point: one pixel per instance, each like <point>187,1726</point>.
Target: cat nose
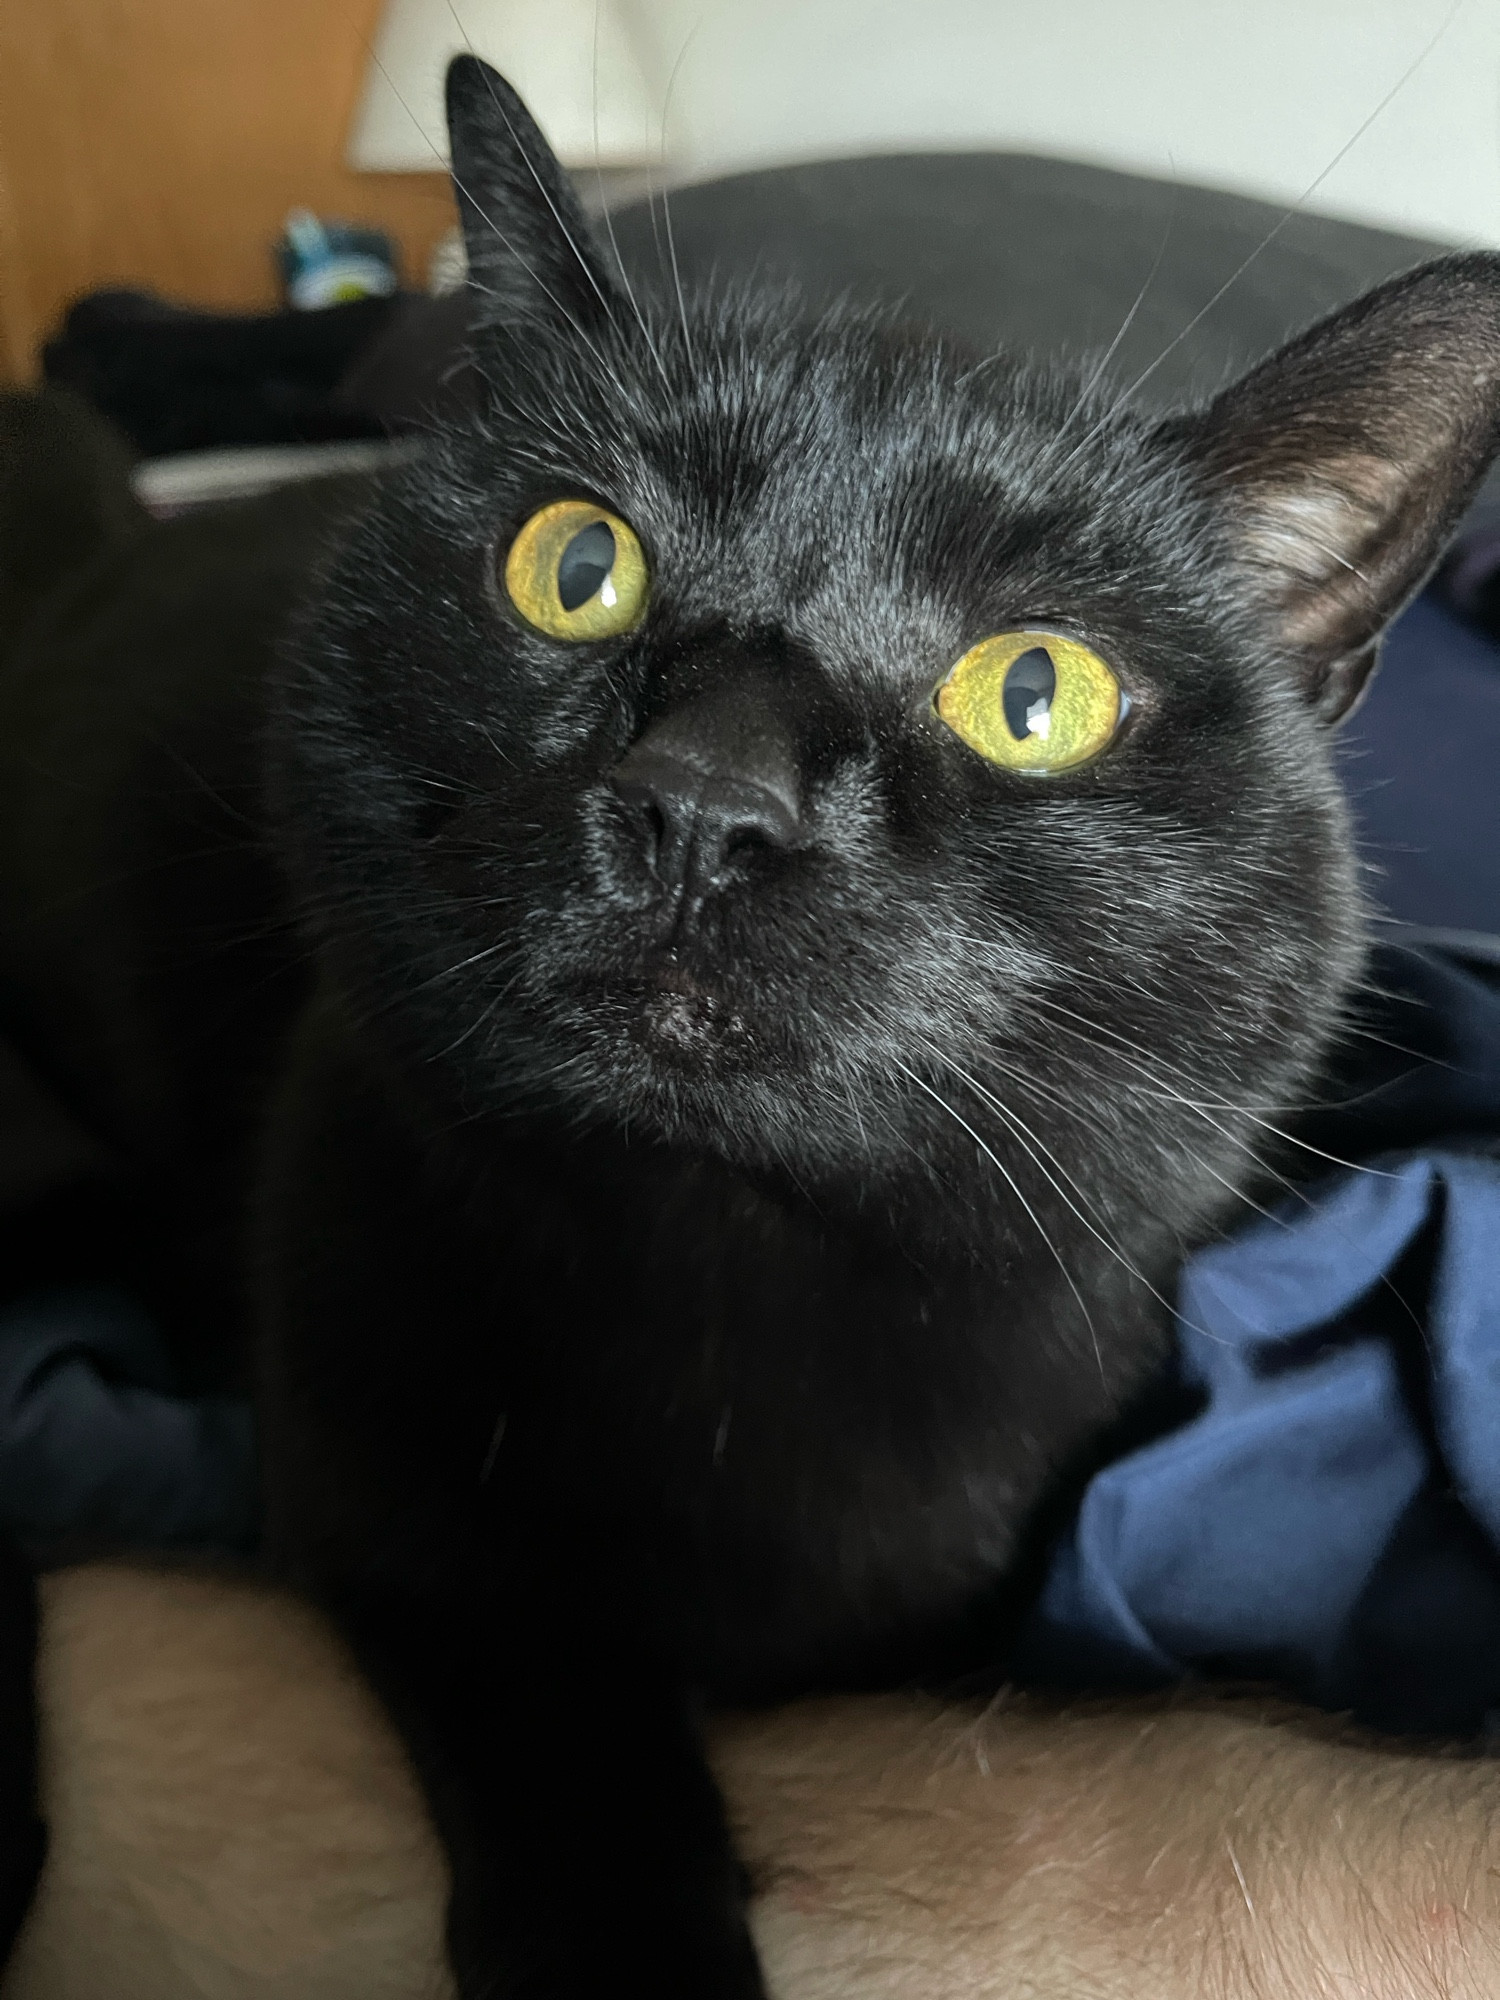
<point>710,781</point>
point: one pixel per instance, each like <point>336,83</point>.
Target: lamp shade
<point>576,63</point>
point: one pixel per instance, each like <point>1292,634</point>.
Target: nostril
<point>649,815</point>
<point>748,815</point>
<point>654,824</point>
<point>738,840</point>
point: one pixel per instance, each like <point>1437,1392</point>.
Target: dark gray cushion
<point>1034,254</point>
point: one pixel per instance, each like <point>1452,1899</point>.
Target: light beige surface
<point>231,1816</point>
<point>233,1820</point>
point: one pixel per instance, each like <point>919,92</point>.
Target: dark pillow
<point>1045,255</point>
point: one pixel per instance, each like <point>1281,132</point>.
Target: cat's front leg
<point>586,1836</point>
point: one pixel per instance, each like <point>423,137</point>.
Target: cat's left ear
<point>532,256</point>
<point>1345,460</point>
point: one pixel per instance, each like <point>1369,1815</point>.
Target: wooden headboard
<point>161,143</point>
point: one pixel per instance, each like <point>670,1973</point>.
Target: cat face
<point>666,810</point>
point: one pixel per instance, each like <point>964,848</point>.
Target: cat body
<point>708,1149</point>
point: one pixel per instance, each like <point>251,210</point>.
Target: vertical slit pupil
<point>584,564</point>
<point>1029,688</point>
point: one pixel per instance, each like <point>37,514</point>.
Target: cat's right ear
<point>532,256</point>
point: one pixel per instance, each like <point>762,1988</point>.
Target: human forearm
<point>1134,1852</point>
<point>227,1802</point>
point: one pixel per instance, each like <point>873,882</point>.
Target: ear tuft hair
<point>1345,460</point>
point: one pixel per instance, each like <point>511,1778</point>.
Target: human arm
<point>1215,1848</point>
<point>230,1810</point>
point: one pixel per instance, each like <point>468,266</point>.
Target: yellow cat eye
<point>1032,701</point>
<point>576,571</point>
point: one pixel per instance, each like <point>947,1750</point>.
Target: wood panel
<point>161,143</point>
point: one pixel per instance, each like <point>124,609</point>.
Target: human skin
<point>233,1819</point>
<point>1214,1848</point>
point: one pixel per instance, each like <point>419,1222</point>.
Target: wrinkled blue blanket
<point>1329,1519</point>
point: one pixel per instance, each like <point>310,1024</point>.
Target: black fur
<point>683,1282</point>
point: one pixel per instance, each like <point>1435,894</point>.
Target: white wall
<point>1254,95</point>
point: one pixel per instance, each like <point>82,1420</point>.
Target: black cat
<point>790,876</point>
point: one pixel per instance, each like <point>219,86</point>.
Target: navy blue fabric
<point>1330,1517</point>
<point>1420,760</point>
<point>98,1451</point>
<point>1349,1354</point>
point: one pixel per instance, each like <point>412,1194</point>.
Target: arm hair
<point>1208,1848</point>
<point>231,1814</point>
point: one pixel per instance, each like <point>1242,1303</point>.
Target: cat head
<point>784,738</point>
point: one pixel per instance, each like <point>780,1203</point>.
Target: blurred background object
<point>1263,101</point>
<point>161,143</point>
<point>1252,99</point>
<point>579,65</point>
<point>330,263</point>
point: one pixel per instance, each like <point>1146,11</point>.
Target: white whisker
<point>609,223</point>
<point>666,196</point>
<point>1015,1188</point>
<point>1127,394</point>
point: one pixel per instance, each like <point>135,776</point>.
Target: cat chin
<point>689,1068</point>
<point>688,1071</point>
<point>688,1027</point>
<point>679,1018</point>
